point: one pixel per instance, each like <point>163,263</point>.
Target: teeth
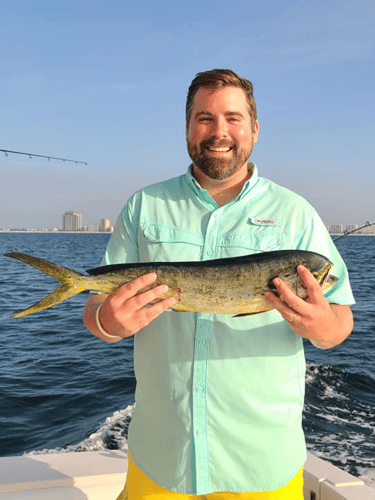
<point>219,149</point>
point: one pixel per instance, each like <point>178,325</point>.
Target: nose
<point>220,127</point>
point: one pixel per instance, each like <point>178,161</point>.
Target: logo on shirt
<point>263,222</point>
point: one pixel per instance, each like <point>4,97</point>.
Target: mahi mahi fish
<point>234,285</point>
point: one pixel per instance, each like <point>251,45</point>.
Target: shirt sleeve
<point>123,244</point>
<point>317,239</point>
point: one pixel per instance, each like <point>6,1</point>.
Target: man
<point>219,399</point>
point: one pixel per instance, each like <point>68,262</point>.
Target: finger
<point>279,304</point>
<point>144,298</point>
<point>144,316</point>
<point>131,288</point>
<point>313,289</point>
<point>284,309</point>
<point>314,292</point>
<point>130,316</point>
<point>292,318</point>
<point>288,297</point>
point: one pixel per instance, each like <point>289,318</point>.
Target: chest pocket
<point>168,244</point>
<point>262,236</point>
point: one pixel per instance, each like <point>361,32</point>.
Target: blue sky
<point>105,82</point>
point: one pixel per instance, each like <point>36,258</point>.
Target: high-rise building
<point>105,224</point>
<point>72,221</point>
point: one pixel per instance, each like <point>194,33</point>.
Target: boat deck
<point>100,475</point>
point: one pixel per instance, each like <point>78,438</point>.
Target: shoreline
<point>51,231</point>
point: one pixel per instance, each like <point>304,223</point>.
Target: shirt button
<point>199,432</point>
<point>210,252</point>
<point>201,342</point>
<point>199,388</point>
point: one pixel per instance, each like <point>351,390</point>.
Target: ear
<point>255,132</point>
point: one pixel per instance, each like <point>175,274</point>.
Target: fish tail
<point>72,283</point>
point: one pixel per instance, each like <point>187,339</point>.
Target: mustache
<point>212,142</point>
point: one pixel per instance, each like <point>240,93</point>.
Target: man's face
<point>220,136</point>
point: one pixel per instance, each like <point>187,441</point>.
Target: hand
<point>313,317</point>
<point>123,312</point>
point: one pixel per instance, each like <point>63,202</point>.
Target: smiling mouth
<point>219,150</point>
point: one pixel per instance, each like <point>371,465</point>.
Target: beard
<point>219,168</point>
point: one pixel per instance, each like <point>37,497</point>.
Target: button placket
<point>199,401</point>
<point>212,231</point>
<point>200,368</point>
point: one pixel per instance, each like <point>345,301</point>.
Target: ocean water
<point>61,389</point>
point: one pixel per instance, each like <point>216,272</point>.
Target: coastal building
<point>336,228</point>
<point>92,228</point>
<point>72,221</point>
<point>368,228</point>
<point>105,225</point>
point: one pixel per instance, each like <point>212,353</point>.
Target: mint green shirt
<point>219,399</point>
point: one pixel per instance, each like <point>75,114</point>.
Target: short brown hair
<point>219,78</point>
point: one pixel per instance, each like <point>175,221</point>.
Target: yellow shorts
<point>139,487</point>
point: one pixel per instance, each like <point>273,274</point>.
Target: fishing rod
<point>346,232</point>
<point>31,155</point>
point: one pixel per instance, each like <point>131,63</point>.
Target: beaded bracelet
<point>111,338</point>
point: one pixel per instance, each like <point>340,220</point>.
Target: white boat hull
<point>101,475</point>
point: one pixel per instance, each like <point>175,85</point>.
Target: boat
<point>101,475</point>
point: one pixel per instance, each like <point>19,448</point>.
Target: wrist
<point>105,335</point>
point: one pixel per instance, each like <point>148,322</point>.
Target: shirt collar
<point>205,196</point>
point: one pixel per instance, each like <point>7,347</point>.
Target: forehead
<point>226,99</point>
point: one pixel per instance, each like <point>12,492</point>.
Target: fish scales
<point>233,285</point>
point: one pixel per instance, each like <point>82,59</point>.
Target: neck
<point>225,190</point>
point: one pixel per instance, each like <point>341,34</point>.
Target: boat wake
<point>339,419</point>
<point>111,435</point>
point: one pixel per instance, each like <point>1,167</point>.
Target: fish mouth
<point>330,281</point>
<point>326,280</point>
<point>324,277</point>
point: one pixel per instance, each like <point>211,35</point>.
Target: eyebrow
<point>227,113</point>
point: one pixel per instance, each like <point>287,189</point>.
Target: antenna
<point>31,155</point>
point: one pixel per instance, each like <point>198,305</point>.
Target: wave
<point>111,435</point>
<point>339,419</point>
